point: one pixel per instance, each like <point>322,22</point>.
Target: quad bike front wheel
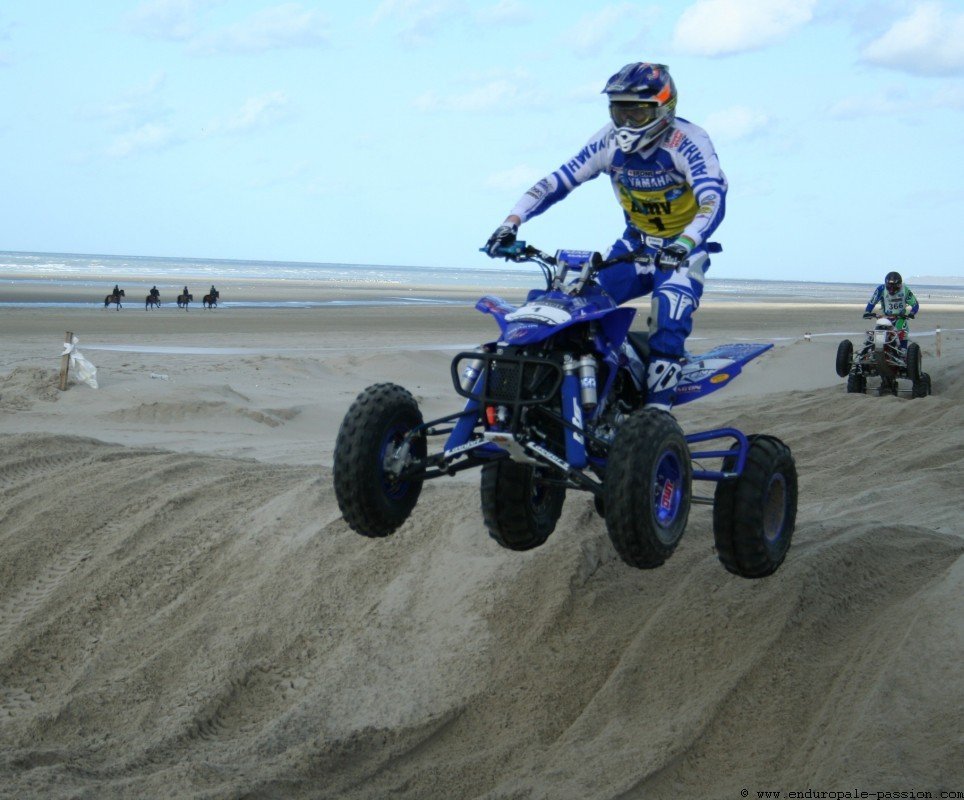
<point>914,361</point>
<point>754,515</point>
<point>922,386</point>
<point>888,385</point>
<point>845,356</point>
<point>370,448</point>
<point>647,489</point>
<point>856,384</point>
<point>519,509</point>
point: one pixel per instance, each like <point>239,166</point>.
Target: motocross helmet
<point>642,104</point>
<point>893,282</point>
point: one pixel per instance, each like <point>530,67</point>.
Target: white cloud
<point>496,94</point>
<point>174,20</point>
<point>898,102</point>
<point>929,41</point>
<point>277,27</point>
<point>737,122</point>
<point>257,112</point>
<point>517,179</point>
<point>723,27</point>
<point>417,21</point>
<point>148,137</point>
<point>140,103</point>
<point>504,12</point>
<point>594,30</point>
<point>868,105</point>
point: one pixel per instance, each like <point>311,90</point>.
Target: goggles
<point>630,114</point>
<point>893,287</point>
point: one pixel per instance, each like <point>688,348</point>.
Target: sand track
<point>230,635</point>
<point>179,619</point>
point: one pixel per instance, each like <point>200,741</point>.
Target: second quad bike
<point>885,353</point>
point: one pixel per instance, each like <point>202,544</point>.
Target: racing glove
<point>910,315</point>
<point>671,256</point>
<point>868,315</point>
<point>503,236</point>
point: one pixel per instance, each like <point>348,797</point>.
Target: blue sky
<point>402,131</point>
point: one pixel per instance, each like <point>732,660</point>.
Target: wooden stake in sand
<point>937,341</point>
<point>65,361</point>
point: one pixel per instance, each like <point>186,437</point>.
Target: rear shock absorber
<point>587,382</point>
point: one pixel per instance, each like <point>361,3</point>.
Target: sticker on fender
<point>539,312</point>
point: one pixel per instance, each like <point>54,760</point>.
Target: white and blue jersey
<point>673,191</point>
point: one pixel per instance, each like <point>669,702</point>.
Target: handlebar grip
<point>513,250</point>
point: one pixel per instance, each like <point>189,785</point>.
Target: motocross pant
<point>675,296</point>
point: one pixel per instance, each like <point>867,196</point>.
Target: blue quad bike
<point>556,404</point>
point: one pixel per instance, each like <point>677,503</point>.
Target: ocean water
<point>89,271</point>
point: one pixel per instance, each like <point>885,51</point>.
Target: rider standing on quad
<point>895,299</point>
<point>667,178</point>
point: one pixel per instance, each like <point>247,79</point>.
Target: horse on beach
<point>183,300</point>
<point>152,301</point>
<point>211,300</point>
<point>114,298</point>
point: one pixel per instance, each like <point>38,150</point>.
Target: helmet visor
<point>629,114</point>
<point>893,286</point>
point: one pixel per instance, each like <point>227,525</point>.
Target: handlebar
<point>901,315</point>
<point>556,267</point>
<point>520,251</point>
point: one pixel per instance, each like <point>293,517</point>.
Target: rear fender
<point>706,373</point>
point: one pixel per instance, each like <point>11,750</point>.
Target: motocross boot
<point>661,379</point>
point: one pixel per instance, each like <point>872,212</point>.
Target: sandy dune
<point>183,613</point>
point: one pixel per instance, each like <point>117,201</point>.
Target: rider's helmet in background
<point>642,104</point>
<point>893,282</point>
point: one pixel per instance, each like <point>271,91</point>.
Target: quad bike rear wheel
<point>372,499</point>
<point>519,509</point>
<point>845,357</point>
<point>754,515</point>
<point>922,386</point>
<point>647,488</point>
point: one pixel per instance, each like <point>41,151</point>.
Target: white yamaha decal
<point>537,312</point>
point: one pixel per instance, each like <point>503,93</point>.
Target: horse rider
<point>155,293</point>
